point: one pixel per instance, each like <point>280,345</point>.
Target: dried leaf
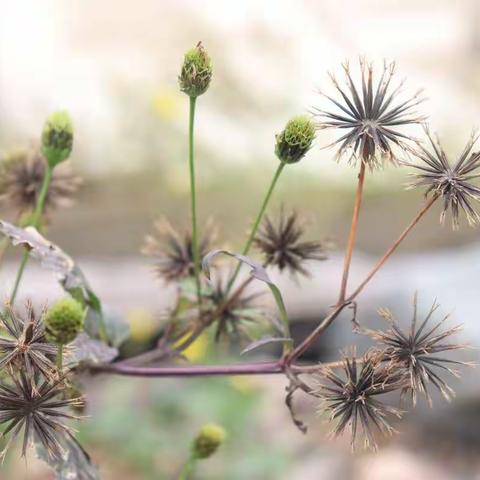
<point>116,325</point>
<point>260,273</point>
<point>75,464</point>
<point>89,351</point>
<point>53,258</point>
<point>264,341</point>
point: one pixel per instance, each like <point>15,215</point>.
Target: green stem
<point>258,220</point>
<point>187,469</point>
<point>60,357</point>
<point>37,214</point>
<point>193,196</point>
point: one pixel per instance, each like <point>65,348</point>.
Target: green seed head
<point>57,138</point>
<point>208,440</point>
<point>64,321</point>
<point>295,140</point>
<point>196,72</point>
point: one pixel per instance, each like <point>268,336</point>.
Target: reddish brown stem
<point>162,354</point>
<point>353,232</point>
<point>258,368</point>
<point>392,249</point>
<point>327,321</point>
<point>192,371</point>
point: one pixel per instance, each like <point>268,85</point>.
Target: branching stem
<point>327,321</point>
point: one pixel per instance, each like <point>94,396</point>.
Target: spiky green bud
<point>196,72</point>
<point>208,440</point>
<point>295,140</point>
<point>57,138</point>
<point>64,321</point>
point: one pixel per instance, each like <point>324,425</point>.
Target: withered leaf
<point>260,273</point>
<point>53,258</point>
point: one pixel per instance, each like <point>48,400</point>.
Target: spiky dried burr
<point>453,182</point>
<point>25,346</point>
<point>36,408</point>
<point>22,174</point>
<point>283,246</point>
<point>416,351</point>
<point>351,398</point>
<point>172,252</point>
<point>368,115</point>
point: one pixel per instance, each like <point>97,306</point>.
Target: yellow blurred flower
<point>167,103</point>
<point>142,325</point>
<point>244,384</point>
<point>197,350</point>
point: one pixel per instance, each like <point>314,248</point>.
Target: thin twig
<point>353,232</point>
<point>327,321</point>
<point>164,353</point>
<point>392,249</point>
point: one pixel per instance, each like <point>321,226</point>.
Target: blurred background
<point>114,66</point>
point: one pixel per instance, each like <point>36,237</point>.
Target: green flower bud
<point>64,321</point>
<point>57,138</point>
<point>295,140</point>
<point>196,72</point>
<point>208,440</point>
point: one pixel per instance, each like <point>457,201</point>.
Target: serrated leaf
<point>264,341</point>
<point>88,351</point>
<point>260,273</point>
<point>74,465</point>
<point>53,258</point>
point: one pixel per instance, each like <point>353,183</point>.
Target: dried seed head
<point>295,140</point>
<point>368,115</point>
<point>351,398</point>
<point>24,346</point>
<point>196,72</point>
<point>454,183</point>
<point>38,408</point>
<point>172,252</point>
<point>417,349</point>
<point>64,321</point>
<point>57,138</point>
<point>283,246</point>
<point>238,312</point>
<point>22,173</point>
<point>208,440</point>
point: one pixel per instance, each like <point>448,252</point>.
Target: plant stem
<point>60,357</point>
<point>353,232</point>
<point>4,243</point>
<point>187,469</point>
<point>37,214</point>
<point>317,332</point>
<point>193,195</point>
<point>161,354</point>
<point>258,220</point>
<point>258,368</point>
<point>261,368</point>
<point>392,249</point>
<point>327,321</point>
